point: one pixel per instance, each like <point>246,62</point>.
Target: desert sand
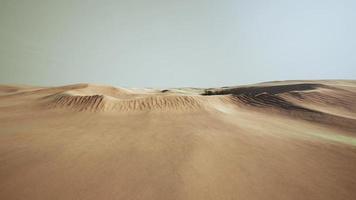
<point>274,140</point>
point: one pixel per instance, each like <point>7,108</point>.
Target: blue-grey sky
<point>174,43</point>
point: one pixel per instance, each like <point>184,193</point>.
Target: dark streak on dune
<point>266,96</point>
<point>271,97</point>
<point>266,99</point>
<point>255,90</point>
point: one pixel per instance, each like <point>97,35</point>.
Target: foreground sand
<point>276,140</point>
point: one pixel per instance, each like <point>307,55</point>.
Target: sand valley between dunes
<point>275,140</point>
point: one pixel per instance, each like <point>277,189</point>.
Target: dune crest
<point>105,103</point>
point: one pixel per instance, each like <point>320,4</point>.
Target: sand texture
<point>274,140</point>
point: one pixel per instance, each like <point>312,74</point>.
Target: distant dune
<point>273,140</point>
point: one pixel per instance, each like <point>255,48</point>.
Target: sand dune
<point>273,140</point>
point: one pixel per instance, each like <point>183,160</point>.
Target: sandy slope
<point>276,140</point>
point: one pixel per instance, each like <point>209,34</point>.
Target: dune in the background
<point>273,140</point>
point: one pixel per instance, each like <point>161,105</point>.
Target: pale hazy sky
<point>172,43</point>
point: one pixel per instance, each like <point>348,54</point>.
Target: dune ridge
<point>326,102</point>
<point>100,103</point>
<point>289,97</point>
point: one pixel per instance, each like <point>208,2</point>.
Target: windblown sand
<point>276,140</point>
